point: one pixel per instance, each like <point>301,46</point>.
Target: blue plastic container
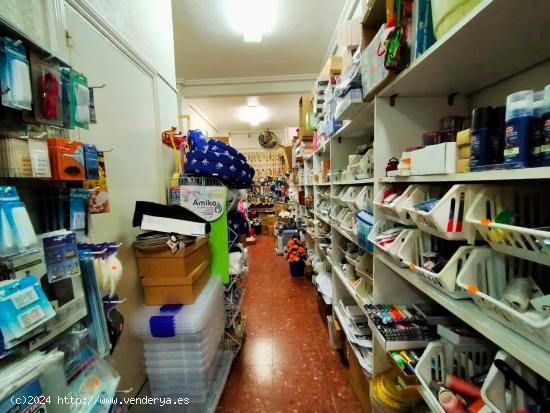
<point>365,222</point>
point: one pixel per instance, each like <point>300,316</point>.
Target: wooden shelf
<point>528,353</point>
<point>496,40</point>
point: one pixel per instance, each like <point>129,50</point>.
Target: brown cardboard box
<point>163,263</point>
<point>333,66</point>
<point>325,168</point>
<point>358,380</point>
<point>304,107</point>
<point>176,289</point>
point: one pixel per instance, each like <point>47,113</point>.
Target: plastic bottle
<point>479,137</point>
<point>518,139</point>
<point>496,135</point>
<point>545,144</point>
<point>537,127</point>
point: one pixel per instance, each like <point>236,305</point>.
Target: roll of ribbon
<point>450,402</point>
<point>518,293</point>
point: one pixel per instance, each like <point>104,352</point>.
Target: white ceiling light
<point>254,114</point>
<point>252,18</point>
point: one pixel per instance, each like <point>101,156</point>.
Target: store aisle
<point>286,364</point>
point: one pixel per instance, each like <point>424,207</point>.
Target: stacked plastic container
<point>183,344</point>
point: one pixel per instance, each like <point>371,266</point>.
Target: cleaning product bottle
<point>479,137</point>
<point>519,116</point>
<point>545,144</point>
<point>537,127</point>
<point>496,135</point>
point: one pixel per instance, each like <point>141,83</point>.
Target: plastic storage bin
<point>416,244</point>
<point>363,229</point>
<point>486,277</point>
<point>447,13</point>
<point>335,211</point>
<point>502,395</point>
<point>362,167</point>
<point>364,199</point>
<point>447,218</point>
<point>395,210</point>
<point>339,198</point>
<point>349,197</point>
<point>348,223</point>
<point>441,358</point>
<point>520,239</point>
<point>392,249</point>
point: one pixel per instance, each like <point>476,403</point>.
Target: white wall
<point>198,120</point>
<point>147,25</point>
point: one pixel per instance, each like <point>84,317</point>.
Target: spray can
<point>545,144</point>
<point>537,128</point>
<point>479,137</point>
<point>518,137</point>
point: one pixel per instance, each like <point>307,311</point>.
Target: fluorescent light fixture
<point>252,18</point>
<point>254,114</point>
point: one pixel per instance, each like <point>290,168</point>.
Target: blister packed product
<point>15,75</point>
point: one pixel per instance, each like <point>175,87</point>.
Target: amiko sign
<point>208,202</point>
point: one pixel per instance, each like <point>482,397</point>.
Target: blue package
<point>518,137</point>
<point>91,161</point>
<point>15,75</point>
<point>365,222</point>
<point>23,307</point>
<point>78,205</point>
<point>29,398</point>
<point>61,255</point>
<point>424,27</point>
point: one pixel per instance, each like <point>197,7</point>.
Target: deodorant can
<point>479,137</point>
<point>545,144</point>
<point>518,139</point>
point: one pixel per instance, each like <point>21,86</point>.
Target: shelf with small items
<point>523,349</point>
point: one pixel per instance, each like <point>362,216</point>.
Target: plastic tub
<point>364,199</point>
<point>447,13</point>
<point>502,395</point>
<point>362,231</point>
<point>350,196</point>
<point>363,167</point>
<point>392,249</point>
<point>520,239</point>
<point>441,358</point>
<point>447,218</point>
<point>488,270</point>
<point>395,210</point>
<point>416,244</point>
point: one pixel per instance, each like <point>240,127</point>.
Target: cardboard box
<point>325,168</point>
<point>336,334</point>
<point>358,379</point>
<point>176,289</point>
<point>333,66</point>
<point>324,308</point>
<point>434,159</point>
<point>304,107</point>
<point>157,263</point>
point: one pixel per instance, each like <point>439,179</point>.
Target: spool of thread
<point>450,402</point>
<point>518,293</point>
<point>462,386</point>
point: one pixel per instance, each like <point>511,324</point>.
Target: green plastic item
<point>79,100</point>
<point>506,217</point>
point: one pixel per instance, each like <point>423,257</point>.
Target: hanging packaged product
<point>15,160</point>
<point>99,199</point>
<point>23,307</point>
<point>79,200</point>
<point>14,74</point>
<point>40,158</point>
<point>545,144</point>
<point>16,230</point>
<point>65,78</point>
<point>80,100</point>
<point>91,161</point>
<point>518,140</point>
<point>61,254</point>
<point>67,159</point>
<point>46,82</point>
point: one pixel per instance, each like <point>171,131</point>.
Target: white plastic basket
<point>485,277</point>
<point>417,243</point>
<point>364,198</point>
<point>348,223</point>
<point>353,260</point>
<point>353,161</point>
<point>529,204</point>
<point>349,197</point>
<point>343,213</point>
<point>394,248</point>
<point>441,358</point>
<point>502,395</point>
<point>394,211</point>
<point>447,219</point>
<point>363,167</point>
<point>340,197</point>
<point>335,211</point>
<point>365,267</point>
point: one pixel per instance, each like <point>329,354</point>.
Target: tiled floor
<point>286,364</point>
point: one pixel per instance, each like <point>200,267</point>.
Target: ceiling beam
<point>245,86</point>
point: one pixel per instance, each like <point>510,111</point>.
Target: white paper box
<point>434,159</point>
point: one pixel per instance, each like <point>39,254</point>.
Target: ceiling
<point>225,112</point>
<point>207,47</point>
